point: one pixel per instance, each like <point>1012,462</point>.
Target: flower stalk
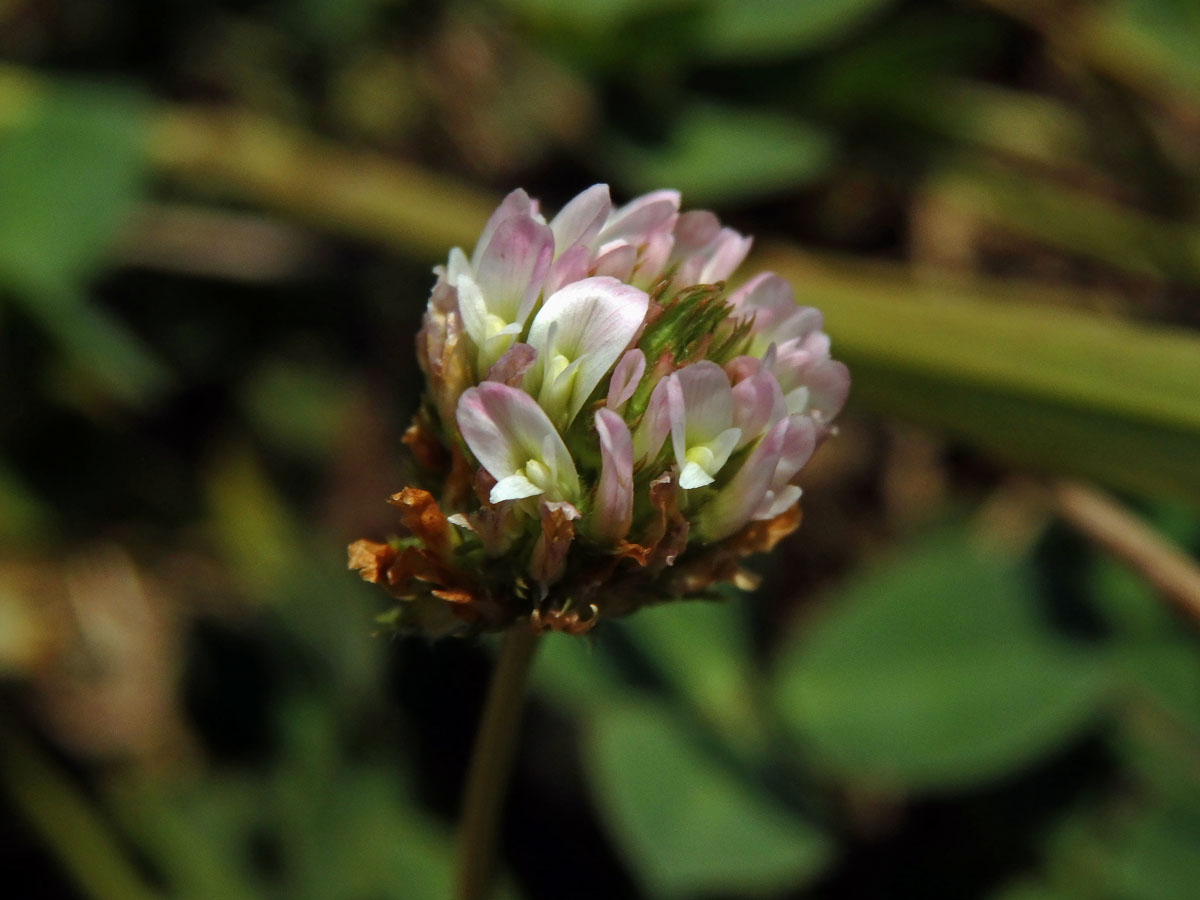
<point>603,427</point>
<point>491,764</point>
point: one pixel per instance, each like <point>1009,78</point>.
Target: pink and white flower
<point>518,445</point>
<point>597,438</point>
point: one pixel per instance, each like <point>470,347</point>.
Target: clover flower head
<point>603,426</point>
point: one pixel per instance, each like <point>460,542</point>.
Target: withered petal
<point>371,559</point>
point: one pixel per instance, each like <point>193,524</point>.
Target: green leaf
<point>934,672</point>
<point>702,649</point>
<point>70,174</point>
<point>757,29</point>
<point>1036,384</point>
<point>719,154</point>
<point>1158,859</point>
<point>1150,649</point>
<point>689,824</point>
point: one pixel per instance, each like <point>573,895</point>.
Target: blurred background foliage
<point>972,673</point>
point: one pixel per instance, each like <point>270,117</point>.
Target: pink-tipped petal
<point>776,503</point>
<point>517,203</point>
<point>511,367</point>
<point>513,266</point>
<point>799,442</point>
<point>614,496</point>
<point>625,379</point>
<point>677,413</point>
<point>708,400</point>
<point>570,267</point>
<point>641,217</point>
<point>727,253</point>
<point>653,260</point>
<point>742,367</point>
<point>757,404</point>
<point>737,501</point>
<point>616,262</point>
<point>694,230</point>
<point>581,219</point>
<point>505,429</point>
<point>655,424</point>
<point>829,386</point>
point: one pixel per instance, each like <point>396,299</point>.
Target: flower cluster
<point>604,426</point>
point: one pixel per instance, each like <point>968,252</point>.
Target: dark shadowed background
<point>972,673</point>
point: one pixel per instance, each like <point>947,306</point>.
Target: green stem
<point>491,761</point>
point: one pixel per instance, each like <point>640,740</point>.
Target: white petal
<point>473,309</point>
<point>693,476</point>
<point>723,446</point>
<point>593,322</point>
<point>457,265</point>
<point>514,487</point>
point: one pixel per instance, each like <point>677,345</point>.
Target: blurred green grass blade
<point>934,672</point>
<point>761,29</point>
<point>84,844</point>
<point>24,517</point>
<point>690,825</point>
<point>1149,40</point>
<point>251,524</point>
<point>196,839</point>
<point>1053,389</point>
<point>1016,123</point>
<point>256,160</point>
<point>301,408</point>
<point>1074,220</point>
<point>96,342</point>
<point>720,154</point>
